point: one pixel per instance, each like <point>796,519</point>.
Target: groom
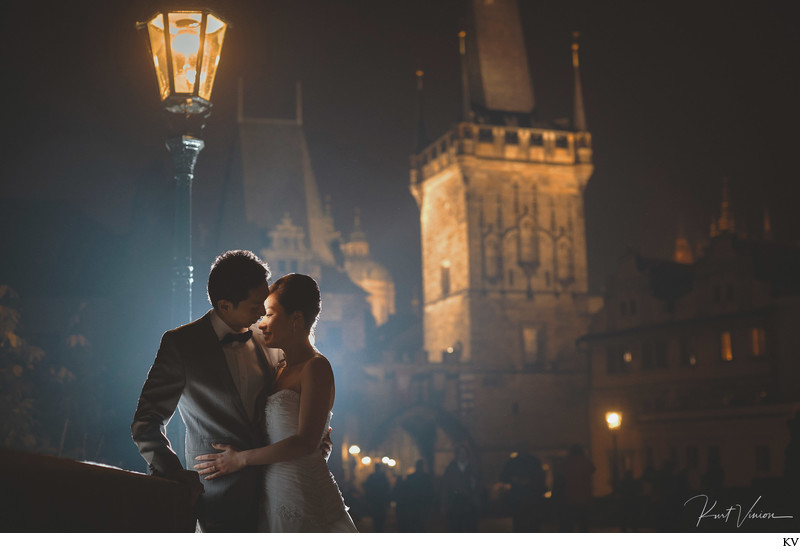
<point>217,374</point>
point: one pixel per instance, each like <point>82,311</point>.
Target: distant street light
<point>614,422</point>
<point>185,47</point>
<point>354,450</point>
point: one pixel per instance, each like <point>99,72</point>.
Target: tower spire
<point>767,236</point>
<point>358,233</point>
<point>466,110</point>
<point>683,253</point>
<point>578,113</point>
<point>726,221</point>
<point>499,76</point>
<point>421,139</point>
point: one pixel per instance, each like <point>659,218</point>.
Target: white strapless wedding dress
<point>299,495</point>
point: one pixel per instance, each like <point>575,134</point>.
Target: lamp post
<point>614,421</point>
<point>185,47</point>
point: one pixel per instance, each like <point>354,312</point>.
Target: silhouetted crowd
<point>460,501</point>
<point>456,501</point>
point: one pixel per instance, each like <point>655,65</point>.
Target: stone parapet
<point>532,145</point>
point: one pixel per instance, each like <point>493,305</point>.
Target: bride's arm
<point>316,387</point>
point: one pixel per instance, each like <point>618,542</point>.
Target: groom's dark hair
<point>232,276</point>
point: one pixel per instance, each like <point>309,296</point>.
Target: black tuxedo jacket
<point>190,372</point>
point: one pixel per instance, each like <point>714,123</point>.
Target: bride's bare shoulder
<point>318,363</point>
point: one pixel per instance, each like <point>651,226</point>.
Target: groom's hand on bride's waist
<point>229,460</point>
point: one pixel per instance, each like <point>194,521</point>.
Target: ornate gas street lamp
<point>614,422</point>
<point>185,46</point>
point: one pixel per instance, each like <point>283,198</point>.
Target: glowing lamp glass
<point>366,460</point>
<point>354,450</point>
<point>186,48</point>
<point>614,419</point>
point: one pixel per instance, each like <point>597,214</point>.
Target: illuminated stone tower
<point>502,218</point>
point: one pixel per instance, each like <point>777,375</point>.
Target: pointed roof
<point>683,252</point>
<point>277,179</point>
<point>578,113</point>
<point>726,222</point>
<point>499,77</point>
<point>767,229</point>
<point>357,235</point>
<point>421,140</point>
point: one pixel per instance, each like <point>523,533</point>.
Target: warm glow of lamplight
<point>614,419</point>
<point>187,43</point>
<point>354,449</point>
<point>189,46</point>
<point>366,460</point>
<point>385,460</point>
<point>391,463</point>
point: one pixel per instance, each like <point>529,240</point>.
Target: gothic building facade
<point>698,358</point>
<point>504,273</point>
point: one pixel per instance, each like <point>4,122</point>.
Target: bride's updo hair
<point>298,292</point>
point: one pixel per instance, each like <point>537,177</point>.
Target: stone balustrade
<point>50,494</point>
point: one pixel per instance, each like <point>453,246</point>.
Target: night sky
<point>678,96</point>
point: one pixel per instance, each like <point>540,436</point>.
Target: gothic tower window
<point>445,278</point>
<point>725,347</point>
<point>687,355</point>
<point>529,243</point>
<point>532,345</point>
<point>494,267</point>
<point>758,342</point>
<point>564,265</point>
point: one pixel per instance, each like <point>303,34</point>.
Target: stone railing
<point>50,494</point>
<point>502,143</point>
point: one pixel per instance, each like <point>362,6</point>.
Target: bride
<point>299,493</point>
